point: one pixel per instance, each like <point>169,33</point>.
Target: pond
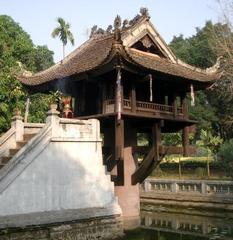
<point>159,225</point>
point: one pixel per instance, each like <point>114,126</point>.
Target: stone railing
<point>203,187</point>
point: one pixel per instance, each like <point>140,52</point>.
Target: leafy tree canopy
<point>17,51</point>
<point>200,50</point>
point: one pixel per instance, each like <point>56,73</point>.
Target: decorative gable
<point>144,37</point>
<point>146,44</point>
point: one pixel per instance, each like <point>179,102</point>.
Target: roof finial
<point>144,12</point>
<point>117,22</point>
<point>117,28</point>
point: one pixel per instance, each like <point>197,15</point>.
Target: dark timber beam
<point>151,160</point>
<point>184,105</point>
<point>119,150</point>
<point>156,139</point>
<point>185,138</point>
<point>133,98</point>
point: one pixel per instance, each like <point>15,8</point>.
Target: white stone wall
<point>63,173</point>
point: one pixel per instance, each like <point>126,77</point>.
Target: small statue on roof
<point>100,31</point>
<point>117,22</point>
<point>109,29</point>
<point>135,19</point>
<point>125,23</point>
<point>93,30</point>
<point>144,12</point>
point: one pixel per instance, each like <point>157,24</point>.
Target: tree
<point>64,33</point>
<point>199,51</point>
<point>18,52</point>
<point>225,157</point>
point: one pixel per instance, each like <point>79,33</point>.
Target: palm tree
<point>63,32</point>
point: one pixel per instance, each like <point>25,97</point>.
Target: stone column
<point>128,194</point>
<point>17,123</point>
<point>53,120</point>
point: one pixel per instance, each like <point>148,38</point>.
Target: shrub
<point>225,157</point>
<point>200,172</point>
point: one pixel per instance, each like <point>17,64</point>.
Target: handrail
<point>6,136</point>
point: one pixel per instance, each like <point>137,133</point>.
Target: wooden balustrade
<point>145,107</point>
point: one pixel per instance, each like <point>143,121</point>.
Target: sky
<point>170,17</point>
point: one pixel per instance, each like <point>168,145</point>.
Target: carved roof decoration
<point>136,41</point>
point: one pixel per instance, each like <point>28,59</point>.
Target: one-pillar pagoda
<point>129,79</point>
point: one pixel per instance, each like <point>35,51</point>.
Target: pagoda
<point>129,79</point>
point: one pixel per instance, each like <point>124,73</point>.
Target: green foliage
<point>63,32</point>
<point>143,139</point>
<point>17,52</point>
<point>38,113</point>
<point>225,157</point>
<point>200,172</point>
<point>172,139</point>
<point>54,97</point>
<point>196,50</point>
<point>209,141</point>
<point>201,50</point>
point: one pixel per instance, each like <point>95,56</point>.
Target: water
<point>178,226</point>
<point>162,224</point>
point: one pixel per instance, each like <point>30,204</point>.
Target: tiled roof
<point>88,56</point>
<point>154,62</point>
<point>93,53</point>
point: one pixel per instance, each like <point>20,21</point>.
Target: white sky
<point>170,17</point>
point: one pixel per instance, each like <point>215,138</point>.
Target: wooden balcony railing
<point>147,107</point>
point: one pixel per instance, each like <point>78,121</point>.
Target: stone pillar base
<point>128,195</point>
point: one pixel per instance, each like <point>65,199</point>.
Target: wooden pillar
<point>185,138</point>
<point>184,105</point>
<point>174,105</point>
<point>119,138</point>
<point>104,97</point>
<point>119,150</point>
<point>119,96</point>
<point>83,98</point>
<point>133,98</point>
<point>156,138</point>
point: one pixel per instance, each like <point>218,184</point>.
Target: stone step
<point>20,144</point>
<point>5,160</point>
<point>13,151</point>
<point>27,137</point>
<point>2,165</point>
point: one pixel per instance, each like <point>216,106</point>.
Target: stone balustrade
<point>200,187</point>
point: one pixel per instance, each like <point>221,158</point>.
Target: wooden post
<point>103,97</point>
<point>179,168</point>
<point>156,133</point>
<point>119,150</point>
<point>174,105</point>
<point>83,98</point>
<point>119,94</point>
<point>184,105</point>
<point>185,138</point>
<point>133,98</point>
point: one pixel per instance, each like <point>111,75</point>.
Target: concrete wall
<point>59,169</point>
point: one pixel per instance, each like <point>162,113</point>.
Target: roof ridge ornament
<point>144,12</point>
<point>117,28</point>
<point>216,66</point>
<point>117,22</point>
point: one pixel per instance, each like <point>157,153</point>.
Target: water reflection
<point>155,225</point>
<point>173,226</point>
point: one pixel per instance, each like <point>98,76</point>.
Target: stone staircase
<point>12,151</point>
